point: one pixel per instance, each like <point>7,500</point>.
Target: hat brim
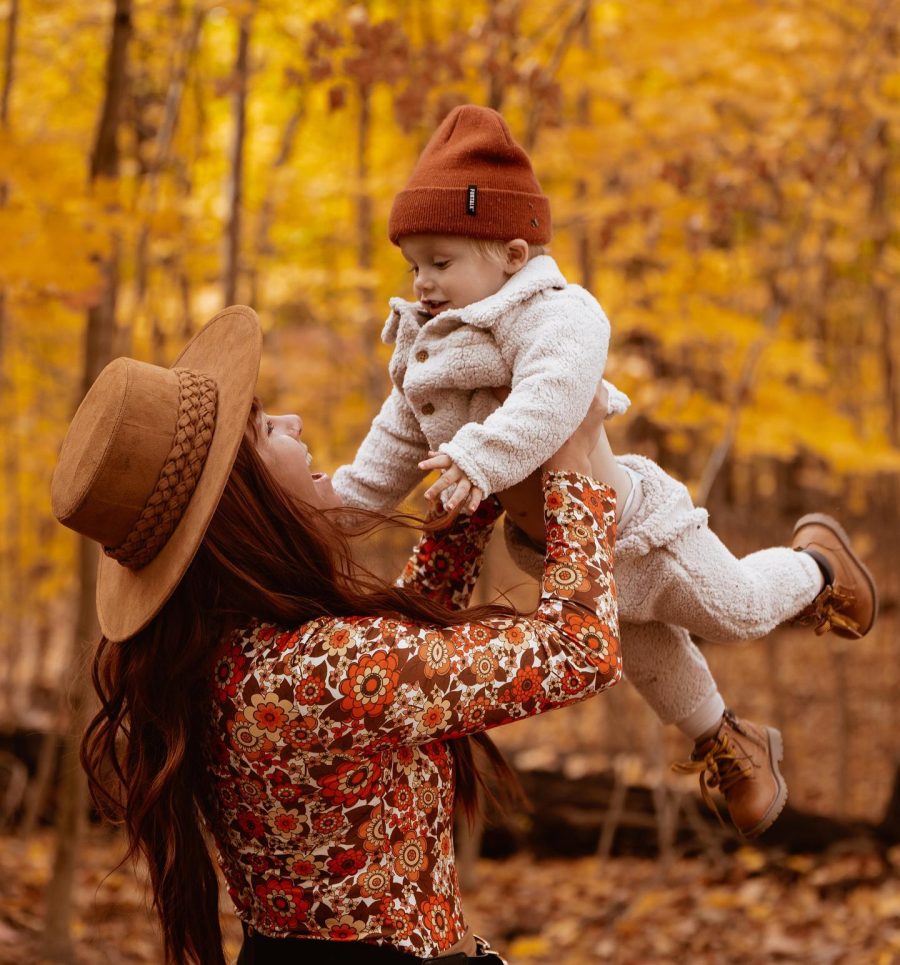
<point>228,349</point>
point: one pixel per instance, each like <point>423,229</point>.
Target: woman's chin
<point>325,490</point>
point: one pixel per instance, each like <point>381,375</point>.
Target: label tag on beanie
<point>471,199</point>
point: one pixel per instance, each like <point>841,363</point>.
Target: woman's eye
<point>270,426</point>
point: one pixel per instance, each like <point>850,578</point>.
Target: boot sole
<point>776,755</point>
<point>829,522</point>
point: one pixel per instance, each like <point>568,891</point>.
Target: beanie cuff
<point>499,215</point>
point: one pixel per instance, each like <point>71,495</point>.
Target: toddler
<point>494,366</point>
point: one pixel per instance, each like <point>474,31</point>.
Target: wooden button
<point>427,409</point>
<point>421,356</point>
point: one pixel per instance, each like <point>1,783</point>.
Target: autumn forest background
<point>724,178</point>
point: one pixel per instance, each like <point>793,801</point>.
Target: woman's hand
<point>574,454</point>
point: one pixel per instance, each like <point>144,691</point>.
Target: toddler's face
<point>450,272</point>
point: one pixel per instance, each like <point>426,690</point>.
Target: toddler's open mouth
<point>432,307</point>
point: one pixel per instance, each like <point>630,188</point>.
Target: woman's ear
<point>516,255</point>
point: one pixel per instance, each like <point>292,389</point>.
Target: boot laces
<point>827,611</point>
<point>722,766</point>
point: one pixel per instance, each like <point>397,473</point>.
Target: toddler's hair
<point>496,250</point>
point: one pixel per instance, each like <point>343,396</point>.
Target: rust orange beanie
<point>474,180</point>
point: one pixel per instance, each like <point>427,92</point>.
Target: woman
<point>316,720</point>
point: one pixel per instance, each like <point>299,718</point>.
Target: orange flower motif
<point>351,782</point>
<point>591,633</point>
<point>343,929</point>
<point>474,712</point>
<point>594,501</point>
<point>285,824</point>
<point>484,665</point>
<point>526,685</point>
<point>267,714</point>
<point>514,635</point>
<point>438,917</point>
<point>403,797</point>
<point>396,922</point>
<point>554,499</point>
<point>433,716</point>
<point>573,682</point>
<point>284,903</point>
<point>337,641</point>
<point>427,798</point>
<point>369,685</point>
<point>329,823</point>
<point>410,855</point>
<point>371,832</point>
<point>479,634</point>
<point>249,741</point>
<point>579,533</point>
<point>374,883</point>
<point>436,651</point>
<point>346,863</point>
<point>565,579</point>
<point>300,732</point>
<point>309,690</point>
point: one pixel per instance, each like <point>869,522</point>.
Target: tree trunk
<point>162,148</point>
<point>235,189</point>
<point>582,225</point>
<point>9,62</point>
<point>364,246</point>
<point>104,163</point>
<point>11,566</point>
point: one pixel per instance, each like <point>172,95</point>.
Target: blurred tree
<point>104,169</point>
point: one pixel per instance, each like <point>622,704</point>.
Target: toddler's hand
<point>451,475</point>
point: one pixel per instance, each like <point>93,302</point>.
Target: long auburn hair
<point>266,557</point>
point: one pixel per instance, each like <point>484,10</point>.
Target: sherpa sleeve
<point>556,348</point>
<point>385,468</point>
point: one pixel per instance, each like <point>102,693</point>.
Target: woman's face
<point>288,459</point>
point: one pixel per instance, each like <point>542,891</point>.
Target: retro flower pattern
<point>370,684</point>
<point>331,783</point>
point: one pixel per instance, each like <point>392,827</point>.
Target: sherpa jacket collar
<point>539,274</point>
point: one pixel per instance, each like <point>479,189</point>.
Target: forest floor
<point>754,907</point>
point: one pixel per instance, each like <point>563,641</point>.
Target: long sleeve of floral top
<point>331,799</point>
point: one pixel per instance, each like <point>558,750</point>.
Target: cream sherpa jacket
<point>541,337</point>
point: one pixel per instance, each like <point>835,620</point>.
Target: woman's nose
<point>293,425</point>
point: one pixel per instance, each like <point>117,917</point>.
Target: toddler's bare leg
<point>524,502</point>
<point>604,466</point>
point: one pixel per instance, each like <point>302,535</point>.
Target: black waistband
<point>262,950</point>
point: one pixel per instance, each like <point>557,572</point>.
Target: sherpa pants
<point>675,577</point>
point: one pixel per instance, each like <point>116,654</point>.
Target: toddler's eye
<point>441,265</point>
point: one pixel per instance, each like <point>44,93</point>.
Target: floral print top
<point>331,796</point>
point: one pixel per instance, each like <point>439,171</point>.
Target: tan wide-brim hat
<point>146,459</point>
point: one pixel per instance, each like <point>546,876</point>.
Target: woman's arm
<point>387,681</point>
<point>445,564</point>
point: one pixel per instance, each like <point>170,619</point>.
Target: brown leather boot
<point>848,604</point>
<point>741,759</point>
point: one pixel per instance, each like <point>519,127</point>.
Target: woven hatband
<point>161,513</point>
